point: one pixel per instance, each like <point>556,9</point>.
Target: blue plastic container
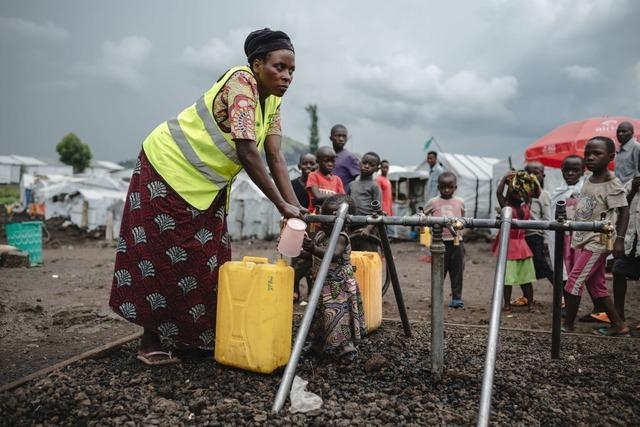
<point>26,236</point>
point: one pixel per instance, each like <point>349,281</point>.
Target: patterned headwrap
<point>264,41</point>
<point>523,185</point>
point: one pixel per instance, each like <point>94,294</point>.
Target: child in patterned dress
<point>338,322</point>
<point>521,187</point>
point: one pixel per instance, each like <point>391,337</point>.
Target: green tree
<point>74,152</point>
<point>314,139</point>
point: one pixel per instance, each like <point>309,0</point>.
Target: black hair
<point>384,161</point>
<point>448,174</point>
<point>336,127</point>
<point>305,154</point>
<point>332,204</point>
<point>372,154</point>
<point>432,152</point>
<point>574,156</point>
<point>322,149</point>
<point>611,146</point>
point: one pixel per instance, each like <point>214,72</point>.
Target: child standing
<point>448,205</point>
<point>338,322</point>
<point>385,188</point>
<point>302,266</point>
<point>602,195</point>
<point>365,190</point>
<point>521,186</point>
<point>540,209</point>
<point>322,183</point>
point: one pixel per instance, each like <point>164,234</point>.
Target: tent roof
<point>13,159</point>
<point>464,165</point>
<point>106,164</point>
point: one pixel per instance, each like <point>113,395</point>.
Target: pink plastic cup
<point>291,237</point>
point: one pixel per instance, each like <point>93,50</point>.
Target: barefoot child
<point>521,186</point>
<point>601,195</point>
<point>338,322</point>
<point>448,205</point>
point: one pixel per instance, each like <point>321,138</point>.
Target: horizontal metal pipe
<point>424,221</point>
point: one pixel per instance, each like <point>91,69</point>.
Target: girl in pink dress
<point>521,186</point>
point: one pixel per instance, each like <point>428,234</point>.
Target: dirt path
<point>50,313</point>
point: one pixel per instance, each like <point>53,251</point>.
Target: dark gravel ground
<point>596,382</point>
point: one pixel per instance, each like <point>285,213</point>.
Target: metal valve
<point>457,226</point>
<point>606,236</point>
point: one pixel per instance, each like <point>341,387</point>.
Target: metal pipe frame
<point>463,222</point>
<point>303,331</point>
<point>437,302</point>
<point>494,320</point>
<point>397,291</point>
<point>558,262</point>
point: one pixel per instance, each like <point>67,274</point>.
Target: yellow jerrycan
<point>369,277</point>
<point>255,314</point>
<point>425,236</point>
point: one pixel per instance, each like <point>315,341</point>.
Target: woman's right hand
<point>290,211</point>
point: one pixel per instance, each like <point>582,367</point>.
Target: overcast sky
<point>483,77</point>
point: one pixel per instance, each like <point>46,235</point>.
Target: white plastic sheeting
<point>85,201</point>
<point>475,181</point>
<point>251,213</point>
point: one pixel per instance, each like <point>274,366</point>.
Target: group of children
<point>594,196</point>
<point>598,195</point>
<point>339,320</point>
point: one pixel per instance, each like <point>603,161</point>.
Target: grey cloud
<point>120,61</point>
<point>24,29</point>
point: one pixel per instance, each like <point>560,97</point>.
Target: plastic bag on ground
<point>301,399</point>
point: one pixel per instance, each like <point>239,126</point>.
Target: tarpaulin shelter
<point>475,181</point>
<point>571,138</point>
<point>251,213</point>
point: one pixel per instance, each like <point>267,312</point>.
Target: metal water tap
<point>606,236</point>
<point>457,225</point>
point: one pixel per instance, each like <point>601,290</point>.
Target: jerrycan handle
<point>256,259</point>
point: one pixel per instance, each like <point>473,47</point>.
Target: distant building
<point>101,167</point>
<point>12,167</point>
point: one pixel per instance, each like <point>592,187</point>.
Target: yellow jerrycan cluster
<point>369,276</point>
<point>425,236</point>
<point>255,314</point>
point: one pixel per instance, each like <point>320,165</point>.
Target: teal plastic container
<point>26,236</point>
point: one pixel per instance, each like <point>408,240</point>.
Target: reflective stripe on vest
<point>187,151</point>
<point>214,132</point>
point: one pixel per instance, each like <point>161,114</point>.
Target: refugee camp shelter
<point>407,185</point>
<point>9,170</point>
<point>251,213</point>
<point>101,167</point>
<point>13,166</point>
<point>475,181</point>
<point>89,202</point>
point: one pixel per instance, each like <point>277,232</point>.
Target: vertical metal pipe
<point>303,330</point>
<point>397,292</point>
<point>494,321</point>
<point>558,260</point>
<point>437,303</point>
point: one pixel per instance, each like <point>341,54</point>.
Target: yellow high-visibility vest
<point>194,156</point>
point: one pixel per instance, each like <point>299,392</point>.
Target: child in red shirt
<point>322,183</point>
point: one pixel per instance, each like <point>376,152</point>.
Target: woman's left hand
<point>291,211</point>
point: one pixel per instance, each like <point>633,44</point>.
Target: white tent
<point>86,201</point>
<point>251,213</point>
<point>475,181</point>
<point>9,170</point>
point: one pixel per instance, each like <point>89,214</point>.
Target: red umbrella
<point>571,138</point>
